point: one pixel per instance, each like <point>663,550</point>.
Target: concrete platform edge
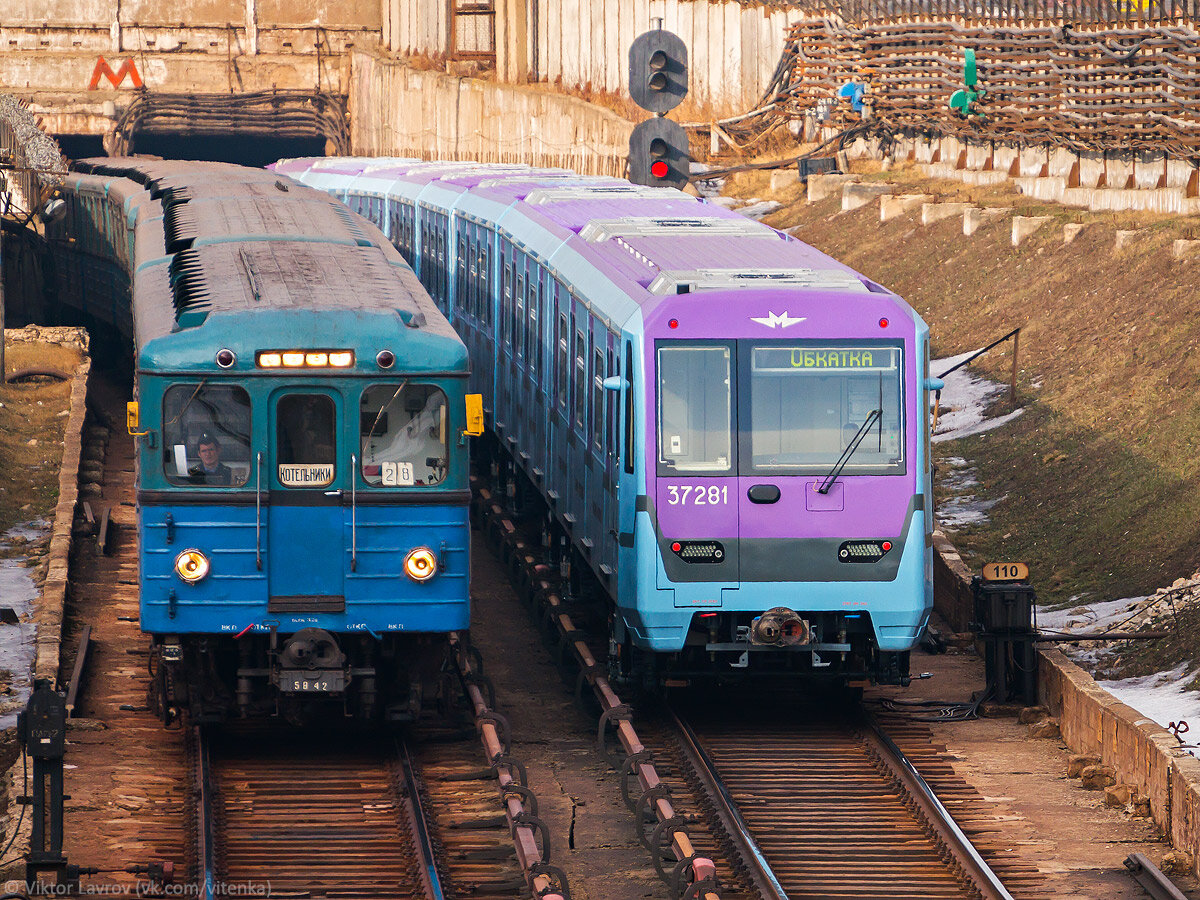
<point>1143,754</point>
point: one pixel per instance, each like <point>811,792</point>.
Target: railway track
<point>819,806</point>
<point>312,815</point>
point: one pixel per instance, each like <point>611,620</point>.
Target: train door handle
<point>336,493</point>
<point>763,493</point>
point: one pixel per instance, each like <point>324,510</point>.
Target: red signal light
<point>887,545</point>
<point>659,169</point>
<point>883,323</point>
<point>674,323</point>
<point>676,547</point>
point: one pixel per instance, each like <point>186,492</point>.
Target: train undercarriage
<point>299,677</point>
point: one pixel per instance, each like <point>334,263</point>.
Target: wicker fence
<point>1088,89</point>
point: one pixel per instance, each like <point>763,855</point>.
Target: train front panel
<point>784,521</point>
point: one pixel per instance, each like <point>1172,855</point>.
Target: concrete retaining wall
<point>48,610</point>
<point>1143,754</point>
<point>399,111</point>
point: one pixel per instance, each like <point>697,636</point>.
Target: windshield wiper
<point>875,415</point>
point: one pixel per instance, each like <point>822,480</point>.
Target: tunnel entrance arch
<point>250,129</point>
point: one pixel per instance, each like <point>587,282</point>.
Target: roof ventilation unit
<point>670,282</point>
<point>599,230</point>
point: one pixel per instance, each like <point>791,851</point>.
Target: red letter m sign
<point>114,78</point>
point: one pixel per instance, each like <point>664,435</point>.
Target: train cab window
<point>404,432</point>
<point>306,440</point>
<point>809,402</point>
<point>206,435</point>
<point>695,409</point>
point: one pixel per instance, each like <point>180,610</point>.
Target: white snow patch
<point>965,510</point>
<point>760,209</point>
<point>1161,697</point>
<point>1088,617</point>
<point>727,202</point>
<point>964,399</point>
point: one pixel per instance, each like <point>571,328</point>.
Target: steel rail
<point>936,815</point>
<point>206,826</point>
<point>1151,877</point>
<point>420,825</point>
<point>736,827</point>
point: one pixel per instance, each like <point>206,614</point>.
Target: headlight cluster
<point>421,564</point>
<point>192,566</point>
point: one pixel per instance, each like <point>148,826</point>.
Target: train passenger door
<point>305,537</point>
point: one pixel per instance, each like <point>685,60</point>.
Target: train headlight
<point>421,564</point>
<point>192,566</point>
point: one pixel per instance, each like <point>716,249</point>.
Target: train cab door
<point>305,535</point>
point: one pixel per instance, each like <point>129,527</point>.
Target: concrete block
<point>1048,189</point>
<point>925,151</point>
<point>1078,196</point>
<point>953,152</point>
<point>1077,762</point>
<point>1141,807</point>
<point>822,186</point>
<point>1070,232</point>
<point>784,178</point>
<point>1125,239</point>
<point>1004,158</point>
<point>1032,162</point>
<point>1046,728</point>
<point>1118,795</point>
<point>1024,226</point>
<point>1031,714</point>
<point>975,217</point>
<point>858,195</point>
<point>1149,170</point>
<point>947,171</point>
<point>1118,173</point>
<point>982,178</point>
<point>1185,249</point>
<point>979,156</point>
<point>1091,169</point>
<point>897,205</point>
<point>935,212</point>
<point>1097,778</point>
<point>1064,163</point>
<point>1182,175</point>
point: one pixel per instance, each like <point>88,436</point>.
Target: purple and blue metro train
<point>729,428</point>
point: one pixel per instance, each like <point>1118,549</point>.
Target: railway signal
<point>658,71</point>
<point>658,153</point>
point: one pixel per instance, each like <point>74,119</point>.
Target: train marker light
<point>887,545</point>
<point>385,359</point>
<point>297,359</point>
<point>192,566</point>
<point>674,323</point>
<point>226,358</point>
<point>883,323</point>
<point>420,564</point>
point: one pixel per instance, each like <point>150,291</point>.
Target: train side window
<point>580,380</point>
<point>305,440</point>
<point>564,352</point>
<point>403,431</point>
<point>535,335</point>
<point>598,398</point>
<point>629,418</point>
<point>206,435</point>
<point>519,315</point>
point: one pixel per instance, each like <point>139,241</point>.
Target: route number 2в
<point>683,494</point>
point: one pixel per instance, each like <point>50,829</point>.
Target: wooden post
<point>1012,383</point>
<point>3,371</point>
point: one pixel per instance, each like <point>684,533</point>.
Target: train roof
<point>235,245</point>
<point>648,242</point>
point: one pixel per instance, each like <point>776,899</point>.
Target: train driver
<point>210,470</point>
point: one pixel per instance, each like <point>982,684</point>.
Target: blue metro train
<point>728,428</point>
<point>300,411</point>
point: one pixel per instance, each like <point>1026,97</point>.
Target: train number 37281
<point>683,494</point>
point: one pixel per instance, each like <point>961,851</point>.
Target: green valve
<point>964,102</point>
